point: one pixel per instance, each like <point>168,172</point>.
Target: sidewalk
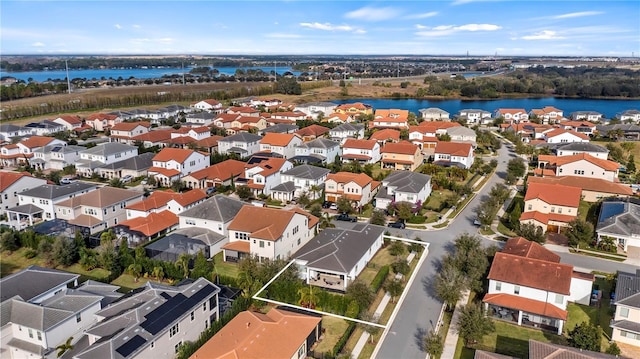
<point>451,340</point>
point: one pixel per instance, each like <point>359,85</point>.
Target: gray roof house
<point>298,180</point>
<point>462,134</point>
<point>103,154</point>
<point>153,321</point>
<point>320,150</point>
<point>35,284</point>
<point>626,327</point>
<point>134,166</point>
<point>434,114</point>
<point>281,128</point>
<point>314,109</point>
<point>620,220</point>
<point>184,241</point>
<point>334,258</point>
<point>404,186</point>
<point>574,148</point>
<point>346,130</point>
<point>244,144</point>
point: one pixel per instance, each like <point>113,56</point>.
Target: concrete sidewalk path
<point>451,340</point>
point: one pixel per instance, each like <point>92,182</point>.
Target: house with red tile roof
<point>386,135</point>
<point>512,115</point>
<point>159,138</point>
<point>560,135</point>
<point>208,144</point>
<point>70,122</point>
<point>582,164</point>
<point>401,156</point>
<point>582,127</point>
<point>359,188</point>
<point>424,135</point>
<point>197,133</point>
<point>243,111</point>
<point>312,132</point>
<point>12,183</point>
<point>550,206</point>
<point>264,173</point>
<point>102,121</point>
<point>339,118</point>
<point>547,114</point>
<point>356,109</point>
<point>281,333</point>
<point>363,151</point>
<point>391,118</point>
<point>170,164</point>
<point>593,189</point>
<point>454,154</point>
<point>268,233</point>
<point>139,230</point>
<point>288,116</point>
<point>219,174</point>
<point>528,286</point>
<point>283,144</point>
<point>23,151</point>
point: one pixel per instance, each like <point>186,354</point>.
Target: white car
<point>126,179</point>
<point>333,206</point>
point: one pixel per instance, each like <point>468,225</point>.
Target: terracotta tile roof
<point>356,105</point>
<point>70,119</point>
<point>240,246</point>
<point>403,148</point>
<point>227,117</point>
<point>554,194</point>
<point>36,141</point>
<point>169,173</point>
<point>353,156</point>
<point>177,154</point>
<point>313,130</point>
<point>211,102</point>
<point>9,178</point>
<point>341,116</point>
<point>512,111</point>
<point>182,140</point>
<point>159,199</point>
<point>544,218</point>
<point>578,124</point>
<point>561,131</point>
<point>453,148</point>
<point>432,126</point>
<point>289,114</point>
<point>277,139</point>
<point>522,247</point>
<point>562,160</point>
<point>129,126</point>
<point>263,222</point>
<point>543,172</point>
<point>386,134</point>
<point>392,113</point>
<point>360,179</point>
<point>153,136</point>
<point>585,183</point>
<point>525,304</point>
<point>242,109</point>
<point>252,335</point>
<point>359,144</point>
<point>153,223</point>
<point>211,141</point>
<point>531,272</point>
<point>101,197</point>
<point>101,116</point>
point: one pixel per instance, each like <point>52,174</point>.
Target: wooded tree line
<point>123,62</point>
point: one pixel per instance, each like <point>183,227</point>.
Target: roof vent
<point>248,324</point>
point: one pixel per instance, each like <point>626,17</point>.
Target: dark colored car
<point>346,218</point>
<point>396,225</point>
<point>326,204</point>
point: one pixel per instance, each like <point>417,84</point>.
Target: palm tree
<point>158,273</point>
<point>316,190</point>
<point>308,296</point>
<point>183,261</point>
<point>135,270</point>
<point>62,348</point>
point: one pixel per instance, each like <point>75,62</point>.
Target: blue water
<point>97,74</point>
<point>609,108</point>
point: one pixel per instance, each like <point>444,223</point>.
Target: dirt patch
<point>557,239</point>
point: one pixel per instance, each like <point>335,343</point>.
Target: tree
<point>401,266</point>
<point>397,248</point>
<point>244,192</point>
<point>378,217</point>
<point>613,349</point>
<point>344,205</point>
<point>433,344</point>
<point>316,210</point>
<point>201,267</point>
<point>309,296</point>
<point>288,86</point>
<point>579,232</point>
<point>158,273</point>
<point>116,182</point>
<point>631,163</point>
<point>472,324</point>
<point>304,199</point>
<point>394,287</point>
<point>404,210</point>
<point>8,241</point>
<point>514,216</point>
<point>361,293</point>
<point>63,251</point>
<point>471,260</point>
<point>486,212</point>
<point>531,232</point>
<point>315,189</point>
<point>135,270</point>
<point>183,263</point>
<point>370,329</point>
<point>449,283</point>
<point>62,348</point>
<point>45,249</point>
<point>585,336</point>
<point>627,146</point>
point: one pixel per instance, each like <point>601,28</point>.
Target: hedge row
<point>379,279</point>
<point>343,339</point>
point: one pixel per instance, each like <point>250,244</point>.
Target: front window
<point>174,330</point>
<point>516,290</point>
<point>498,286</point>
<point>624,312</point>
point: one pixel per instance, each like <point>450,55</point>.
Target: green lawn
<point>333,329</point>
<point>509,339</point>
<point>127,282</point>
<point>16,261</point>
<point>436,198</point>
<point>227,269</point>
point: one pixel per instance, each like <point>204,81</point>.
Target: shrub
<point>30,253</point>
<point>379,279</point>
<point>401,266</point>
<point>343,339</point>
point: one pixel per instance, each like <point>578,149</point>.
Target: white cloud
<point>373,14</point>
<point>359,31</point>
<point>543,35</point>
<point>421,27</point>
<point>444,30</point>
<point>572,15</point>
<point>327,26</point>
<point>423,15</point>
<point>37,44</point>
<point>117,26</point>
<point>282,36</point>
<point>136,26</point>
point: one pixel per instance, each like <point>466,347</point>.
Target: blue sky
<point>481,27</point>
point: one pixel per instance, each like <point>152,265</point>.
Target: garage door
<point>552,229</point>
<point>633,252</point>
<point>332,198</point>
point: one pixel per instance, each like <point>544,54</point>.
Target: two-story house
<point>627,314</point>
<point>220,174</point>
<point>312,132</point>
<point>386,135</point>
<point>582,164</point>
<point>45,128</point>
<point>591,116</point>
<point>9,131</point>
<point>210,105</point>
<point>547,114</point>
<point>355,109</point>
<point>320,150</point>
<point>316,109</point>
<point>363,151</point>
<point>560,135</point>
<point>358,188</point>
<point>619,221</point>
<point>454,154</point>
<point>528,286</point>
<point>268,233</point>
<point>12,183</point>
<point>103,154</point>
<point>342,132</point>
<point>576,148</point>
<point>630,116</point>
<point>196,133</point>
<point>391,118</point>
<point>288,116</point>
<point>262,174</point>
<point>97,210</point>
<point>404,186</point>
<point>434,114</point>
<point>103,121</point>
<point>124,132</point>
<point>23,151</point>
<point>550,206</point>
<point>283,144</point>
<point>401,156</point>
<point>56,157</point>
<point>243,144</point>
<point>582,127</point>
<point>298,180</point>
<point>70,122</point>
<point>475,116</point>
<point>171,164</point>
<point>512,115</point>
<point>426,134</point>
<point>339,118</point>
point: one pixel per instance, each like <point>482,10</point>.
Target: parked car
<point>126,179</point>
<point>67,180</point>
<point>346,218</point>
<point>477,222</point>
<point>326,204</point>
<point>210,191</point>
<point>397,224</point>
<point>333,206</point>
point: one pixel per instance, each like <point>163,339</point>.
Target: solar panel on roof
<point>130,346</point>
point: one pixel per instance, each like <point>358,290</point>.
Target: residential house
<point>210,105</point>
<point>102,121</point>
<point>45,128</point>
<point>547,114</point>
<point>630,116</point>
<point>426,134</point>
<point>266,102</point>
<point>475,117</point>
<point>316,109</point>
<point>70,122</point>
<point>35,284</point>
<point>280,333</point>
<point>154,320</point>
<point>103,154</point>
<point>386,135</point>
<point>140,230</point>
<point>335,257</point>
<point>404,186</point>
<point>262,174</point>
<point>174,111</point>
<point>512,115</point>
<point>220,174</point>
<point>543,350</point>
<point>196,133</point>
<point>22,152</point>
<point>564,136</point>
<point>454,154</point>
<point>97,210</point>
<point>581,164</point>
<point>56,157</point>
<point>312,132</point>
<point>243,144</point>
<point>134,166</point>
<point>159,201</point>
<point>550,206</point>
<point>528,286</point>
<point>280,128</point>
<point>391,118</point>
<point>358,188</point>
<point>171,164</point>
<point>342,132</point>
<point>462,134</point>
<point>298,180</point>
<point>340,118</point>
<point>401,156</point>
<point>283,144</point>
<point>593,189</point>
<point>245,124</point>
<point>201,118</point>
<point>243,111</point>
<point>576,148</point>
<point>224,120</point>
<point>320,150</point>
<point>582,127</point>
<point>155,138</point>
<point>620,131</point>
<point>363,151</point>
<point>627,314</point>
<point>591,116</point>
<point>208,144</point>
<point>39,203</point>
<point>9,131</point>
<point>434,114</point>
<point>288,116</point>
<point>12,183</point>
<point>124,132</point>
<point>619,221</point>
<point>268,233</point>
<point>355,109</point>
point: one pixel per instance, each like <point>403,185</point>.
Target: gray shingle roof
<point>242,137</point>
<point>26,209</point>
<point>540,350</point>
<point>628,289</point>
<point>626,325</point>
<point>37,317</point>
<point>109,148</point>
<point>137,163</point>
<point>218,208</point>
<point>307,172</point>
<point>339,249</point>
<point>320,143</point>
<point>406,181</point>
<point>32,282</point>
<point>347,127</point>
<point>204,235</point>
<point>49,191</point>
<point>619,217</point>
<point>288,186</point>
<point>281,128</point>
<point>581,146</point>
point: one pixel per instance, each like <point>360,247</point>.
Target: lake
<point>609,108</point>
<point>150,73</point>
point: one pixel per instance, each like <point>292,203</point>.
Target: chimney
<point>248,324</point>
